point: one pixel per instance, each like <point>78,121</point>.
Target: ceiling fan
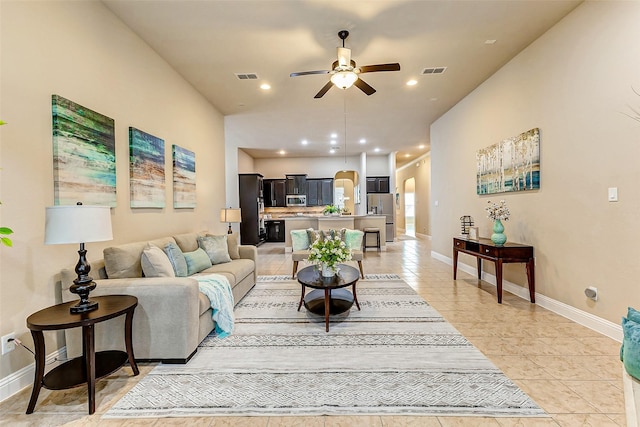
<point>344,72</point>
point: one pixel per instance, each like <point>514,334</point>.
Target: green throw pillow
<point>216,248</point>
<point>634,316</point>
<point>353,239</point>
<point>299,240</point>
<point>631,347</point>
<point>177,260</point>
<point>197,261</point>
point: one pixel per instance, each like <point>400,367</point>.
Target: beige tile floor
<point>573,373</point>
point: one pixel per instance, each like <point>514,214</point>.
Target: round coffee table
<point>327,297</point>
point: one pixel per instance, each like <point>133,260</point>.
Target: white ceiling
<point>207,41</point>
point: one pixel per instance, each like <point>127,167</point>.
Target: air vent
<point>434,70</point>
<point>246,76</point>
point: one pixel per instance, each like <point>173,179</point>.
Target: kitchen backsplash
<point>292,210</point>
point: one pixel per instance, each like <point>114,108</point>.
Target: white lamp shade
<point>77,224</point>
<point>344,79</point>
<point>230,215</point>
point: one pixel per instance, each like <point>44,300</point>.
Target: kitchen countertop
<point>325,216</point>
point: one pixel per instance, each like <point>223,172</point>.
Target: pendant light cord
<point>344,98</point>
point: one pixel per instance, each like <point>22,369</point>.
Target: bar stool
<point>370,230</point>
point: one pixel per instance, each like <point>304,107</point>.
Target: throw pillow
<point>197,261</point>
<point>216,248</point>
<point>634,316</point>
<point>314,235</point>
<point>232,243</point>
<point>631,347</point>
<point>155,262</point>
<point>353,239</point>
<point>177,260</point>
<point>300,240</point>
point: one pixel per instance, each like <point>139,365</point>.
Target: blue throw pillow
<point>634,316</point>
<point>176,258</point>
<point>631,347</point>
<point>197,261</point>
<point>299,240</point>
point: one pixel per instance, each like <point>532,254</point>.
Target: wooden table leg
<point>301,298</point>
<point>128,341</point>
<point>531,278</point>
<point>479,264</point>
<point>38,342</point>
<point>89,356</point>
<point>355,297</point>
<point>499,279</point>
<point>455,263</point>
<point>327,299</point>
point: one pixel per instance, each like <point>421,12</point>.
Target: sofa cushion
<point>124,261</point>
<point>197,261</point>
<point>353,239</point>
<point>300,255</point>
<point>216,248</point>
<point>232,243</point>
<point>155,262</point>
<point>238,269</point>
<point>300,240</point>
<point>187,242</point>
<point>177,259</point>
<point>203,303</point>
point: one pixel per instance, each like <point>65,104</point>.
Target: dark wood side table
<point>486,249</point>
<point>91,366</point>
<point>328,297</point>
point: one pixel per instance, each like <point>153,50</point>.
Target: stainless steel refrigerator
<point>382,204</point>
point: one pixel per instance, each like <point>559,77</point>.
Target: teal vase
<point>498,237</point>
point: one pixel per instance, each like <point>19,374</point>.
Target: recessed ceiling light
<point>489,41</point>
<point>376,150</point>
<point>282,152</point>
<point>412,82</point>
<point>332,151</point>
<point>433,99</point>
<point>265,86</point>
<point>421,146</point>
<point>363,141</point>
<point>305,142</point>
<point>334,135</point>
<point>333,142</point>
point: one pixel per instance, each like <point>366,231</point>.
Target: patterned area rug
<point>397,356</point>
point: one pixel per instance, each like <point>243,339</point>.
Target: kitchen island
<point>335,222</point>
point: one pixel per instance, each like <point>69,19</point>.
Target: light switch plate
<point>613,194</point>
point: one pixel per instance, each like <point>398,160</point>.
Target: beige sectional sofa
<point>172,316</point>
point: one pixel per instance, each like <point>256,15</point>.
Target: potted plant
<point>331,210</point>
<point>328,253</point>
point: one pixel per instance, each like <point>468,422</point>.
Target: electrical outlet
<point>6,345</point>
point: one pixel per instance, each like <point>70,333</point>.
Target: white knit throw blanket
<point>218,289</point>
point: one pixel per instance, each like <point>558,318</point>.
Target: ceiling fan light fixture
<point>344,79</point>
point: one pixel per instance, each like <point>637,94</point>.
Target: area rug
<point>397,356</point>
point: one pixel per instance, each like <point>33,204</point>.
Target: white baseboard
<point>603,326</point>
<point>424,236</point>
<point>22,378</point>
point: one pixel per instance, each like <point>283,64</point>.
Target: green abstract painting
<point>146,167</point>
<point>184,178</point>
<point>84,155</point>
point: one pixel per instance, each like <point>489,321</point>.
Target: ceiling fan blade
<point>344,56</point>
<point>380,67</point>
<point>324,90</point>
<point>364,86</point>
<point>306,73</point>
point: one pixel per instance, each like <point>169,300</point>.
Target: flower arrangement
<point>331,251</point>
<point>330,209</point>
<point>497,211</point>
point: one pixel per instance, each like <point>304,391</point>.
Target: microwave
<point>296,200</point>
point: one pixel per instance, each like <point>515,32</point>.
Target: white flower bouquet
<point>330,251</point>
<point>497,211</point>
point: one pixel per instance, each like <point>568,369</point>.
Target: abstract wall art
<point>146,167</point>
<point>84,155</point>
<point>184,178</point>
<point>511,165</point>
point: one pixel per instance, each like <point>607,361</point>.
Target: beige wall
<point>575,84</point>
<point>245,163</point>
<point>420,170</point>
<point>80,51</point>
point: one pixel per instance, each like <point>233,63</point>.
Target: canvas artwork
<point>84,155</point>
<point>511,165</point>
<point>146,167</point>
<point>184,178</point>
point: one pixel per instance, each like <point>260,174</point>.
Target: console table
<point>509,253</point>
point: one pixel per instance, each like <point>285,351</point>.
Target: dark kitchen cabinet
<point>377,184</point>
<point>275,230</point>
<point>251,188</point>
<point>274,193</point>
<point>319,191</point>
<point>296,184</point>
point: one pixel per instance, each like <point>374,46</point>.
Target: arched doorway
<point>410,207</point>
<point>343,193</point>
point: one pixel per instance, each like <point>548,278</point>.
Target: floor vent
<point>246,76</point>
<point>434,70</point>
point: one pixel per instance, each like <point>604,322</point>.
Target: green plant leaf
<point>2,123</point>
<point>5,230</point>
<point>6,241</point>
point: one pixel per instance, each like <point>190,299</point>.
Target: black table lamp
<point>79,224</point>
